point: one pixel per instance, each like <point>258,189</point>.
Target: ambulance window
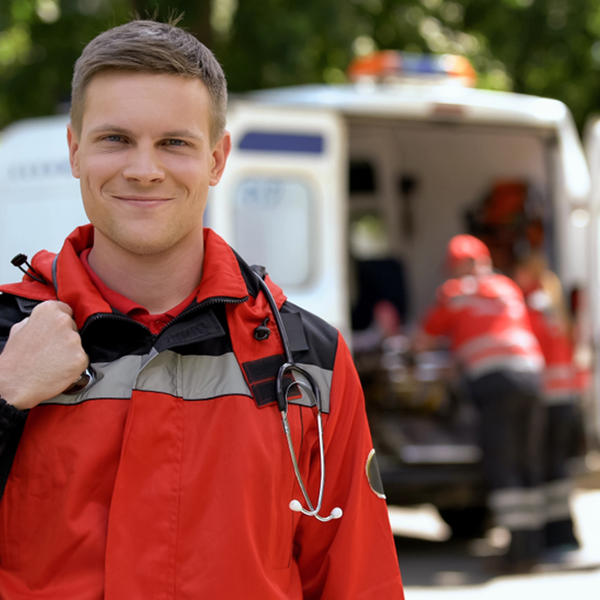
<point>274,228</point>
<point>362,178</point>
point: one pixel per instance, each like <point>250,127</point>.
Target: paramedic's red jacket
<point>170,477</point>
<point>487,323</point>
<point>559,381</point>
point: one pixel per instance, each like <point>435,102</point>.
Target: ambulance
<point>348,195</point>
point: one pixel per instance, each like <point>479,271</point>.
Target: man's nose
<point>143,165</point>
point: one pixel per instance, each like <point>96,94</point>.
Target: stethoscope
<point>289,367</point>
<point>312,389</point>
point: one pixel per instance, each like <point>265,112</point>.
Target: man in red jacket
<point>168,474</point>
<point>484,316</point>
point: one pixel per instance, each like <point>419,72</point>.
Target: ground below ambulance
<point>448,570</point>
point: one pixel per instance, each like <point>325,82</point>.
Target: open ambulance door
<point>281,203</point>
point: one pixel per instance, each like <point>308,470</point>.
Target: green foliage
<point>284,42</point>
<point>39,43</point>
<point>544,47</point>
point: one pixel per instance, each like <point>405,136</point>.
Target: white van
<point>310,164</point>
<point>294,150</point>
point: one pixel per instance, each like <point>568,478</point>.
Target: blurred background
<point>543,47</point>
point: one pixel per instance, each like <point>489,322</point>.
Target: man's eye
<point>113,138</point>
<point>176,143</point>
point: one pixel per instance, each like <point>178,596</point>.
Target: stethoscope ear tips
<point>296,506</point>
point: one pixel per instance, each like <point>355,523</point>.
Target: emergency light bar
<point>392,64</point>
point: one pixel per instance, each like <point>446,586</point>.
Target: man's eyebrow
<point>183,133</point>
<point>111,128</point>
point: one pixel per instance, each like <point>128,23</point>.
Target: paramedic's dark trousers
<point>512,421</point>
<point>560,430</point>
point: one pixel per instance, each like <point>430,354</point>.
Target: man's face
<point>144,160</point>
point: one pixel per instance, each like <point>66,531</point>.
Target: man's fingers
<point>61,306</point>
<point>53,314</point>
<point>18,326</point>
<point>42,357</point>
<point>52,307</point>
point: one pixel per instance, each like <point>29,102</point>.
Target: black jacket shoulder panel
<point>312,340</point>
<point>321,338</point>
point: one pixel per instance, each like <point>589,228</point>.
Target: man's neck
<point>158,283</point>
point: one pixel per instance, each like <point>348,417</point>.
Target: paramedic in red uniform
<point>551,325</point>
<point>484,316</point>
<point>169,475</point>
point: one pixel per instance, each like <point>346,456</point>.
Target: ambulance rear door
<point>281,203</point>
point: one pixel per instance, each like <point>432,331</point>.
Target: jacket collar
<point>224,275</point>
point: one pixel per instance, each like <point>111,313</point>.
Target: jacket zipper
<point>204,304</point>
<point>181,316</point>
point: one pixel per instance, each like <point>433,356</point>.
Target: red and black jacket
<point>170,476</point>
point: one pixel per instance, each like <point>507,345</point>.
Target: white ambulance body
<point>40,201</point>
<point>292,153</point>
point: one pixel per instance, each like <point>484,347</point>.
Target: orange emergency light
<point>393,64</point>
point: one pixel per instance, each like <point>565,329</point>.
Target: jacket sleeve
<point>354,556</point>
<point>437,321</point>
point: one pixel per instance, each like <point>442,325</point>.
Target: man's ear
<point>73,148</point>
<point>220,154</point>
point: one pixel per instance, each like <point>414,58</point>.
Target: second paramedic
<point>551,325</point>
<point>483,315</point>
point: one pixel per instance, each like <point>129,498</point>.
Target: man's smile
<point>143,199</point>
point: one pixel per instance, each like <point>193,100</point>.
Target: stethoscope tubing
<point>312,389</point>
<point>311,511</point>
